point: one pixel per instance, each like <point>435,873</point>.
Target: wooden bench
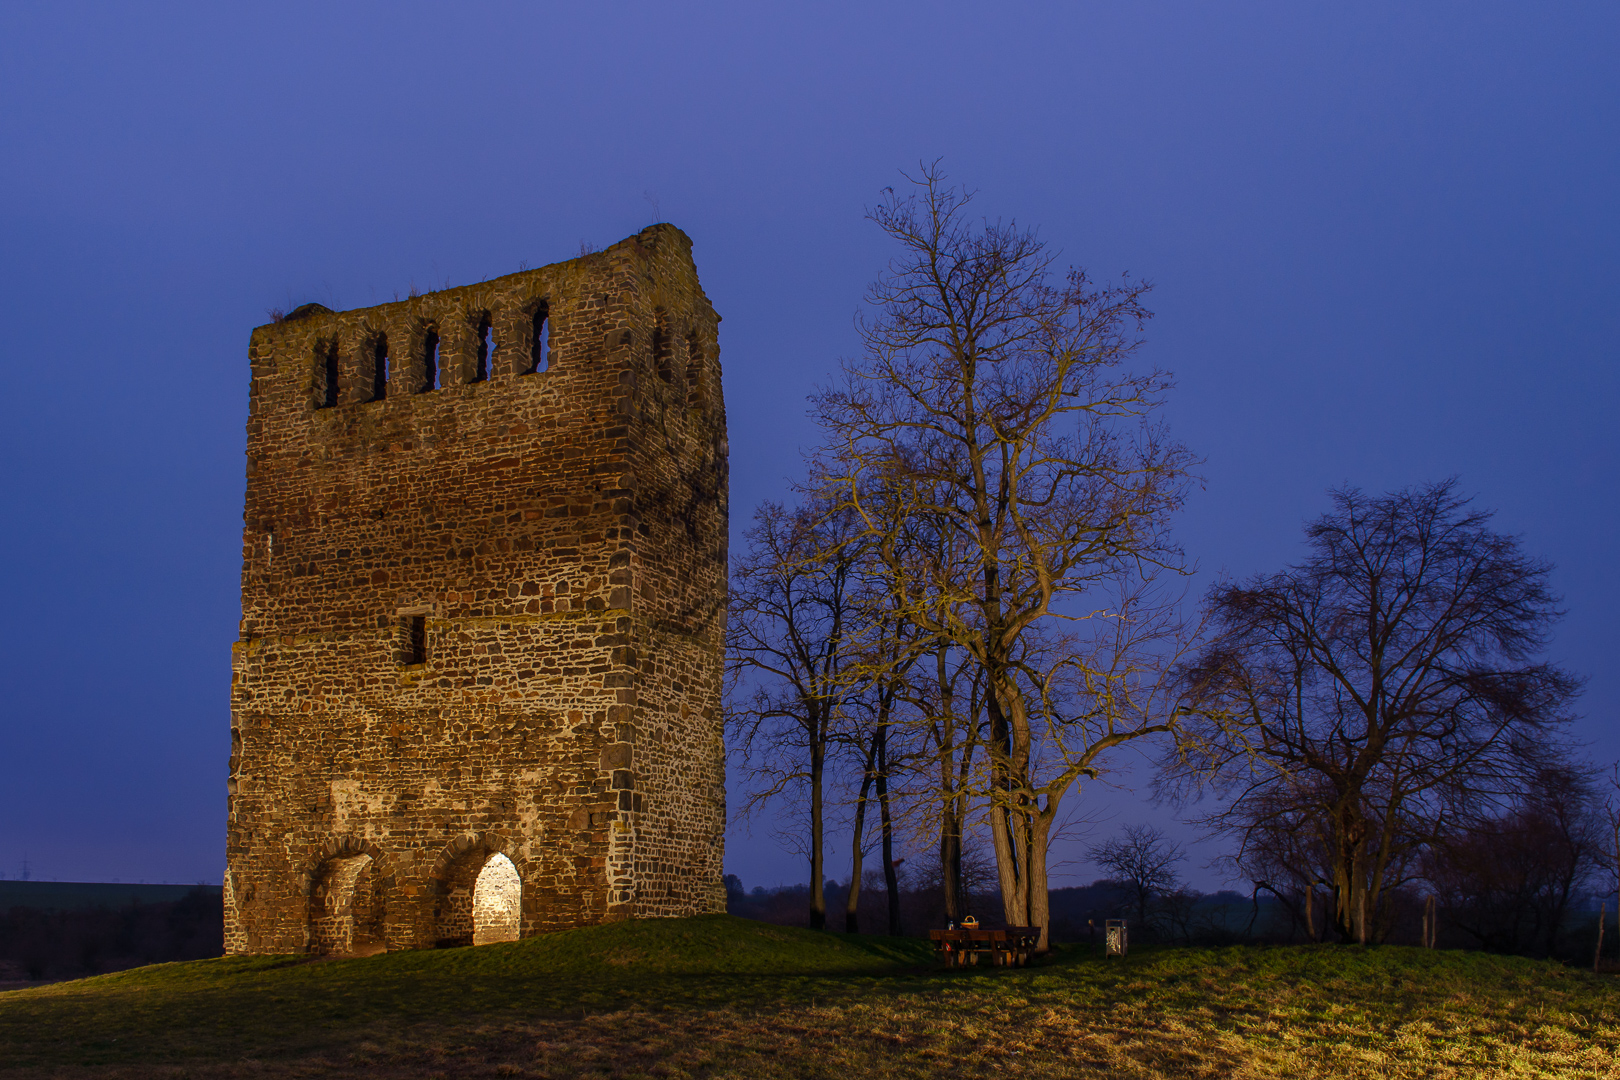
<point>1012,945</point>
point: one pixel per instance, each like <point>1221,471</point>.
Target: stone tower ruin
<point>476,694</point>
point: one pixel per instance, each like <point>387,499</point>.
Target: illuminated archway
<point>476,892</point>
<point>496,902</point>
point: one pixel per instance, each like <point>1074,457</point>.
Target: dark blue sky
<point>1385,240</point>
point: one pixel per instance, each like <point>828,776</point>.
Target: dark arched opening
<point>539,342</point>
<point>694,369</point>
<point>486,348</point>
<point>346,908</point>
<point>379,368</point>
<point>663,359</point>
<point>430,360</point>
<point>327,372</point>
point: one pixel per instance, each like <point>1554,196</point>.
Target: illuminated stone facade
<point>483,599</point>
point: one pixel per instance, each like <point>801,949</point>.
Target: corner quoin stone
<point>483,605</point>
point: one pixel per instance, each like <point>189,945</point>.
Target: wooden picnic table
<point>1012,945</point>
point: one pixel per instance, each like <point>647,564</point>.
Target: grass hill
<point>717,996</point>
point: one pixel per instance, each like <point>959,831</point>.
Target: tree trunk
<point>818,897</point>
<point>950,863</point>
<point>950,793</point>
<point>852,917</point>
<point>1039,897</point>
<point>1597,954</point>
<point>1005,835</point>
<point>890,880</point>
<point>1009,818</point>
<point>1349,879</point>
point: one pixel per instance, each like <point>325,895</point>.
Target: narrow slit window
<point>661,349</point>
<point>329,375</point>
<point>379,368</point>
<point>486,348</point>
<point>430,360</point>
<point>540,342</point>
<point>416,639</point>
<point>694,369</point>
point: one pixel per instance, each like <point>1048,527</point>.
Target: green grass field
<point>722,997</point>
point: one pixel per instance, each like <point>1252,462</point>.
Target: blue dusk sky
<point>1384,239</point>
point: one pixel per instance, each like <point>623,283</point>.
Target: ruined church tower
<point>476,691</point>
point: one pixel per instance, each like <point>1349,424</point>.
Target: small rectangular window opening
<point>486,348</point>
<point>329,374</point>
<point>661,348</point>
<point>430,360</point>
<point>540,342</point>
<point>416,639</point>
<point>694,369</point>
<point>379,374</point>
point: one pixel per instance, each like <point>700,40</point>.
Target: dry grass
<point>724,998</point>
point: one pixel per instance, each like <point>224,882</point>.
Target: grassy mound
<point>721,997</point>
<point>273,1005</point>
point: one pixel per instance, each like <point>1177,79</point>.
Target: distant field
<point>718,996</point>
<point>75,895</point>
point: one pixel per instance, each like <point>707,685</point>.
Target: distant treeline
<point>1078,913</point>
<point>1189,917</point>
<point>65,942</point>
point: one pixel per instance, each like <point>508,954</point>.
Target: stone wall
<point>483,598</point>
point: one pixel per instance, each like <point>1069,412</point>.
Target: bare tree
<point>952,716</point>
<point>857,856</point>
<point>994,404</point>
<point>1507,880</point>
<point>792,633</point>
<point>939,713</point>
<point>1610,810</point>
<point>1279,852</point>
<point>1381,689</point>
<point>1143,861</point>
<point>875,690</point>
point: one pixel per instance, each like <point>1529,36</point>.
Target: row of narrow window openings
<point>539,353</point>
<point>663,358</point>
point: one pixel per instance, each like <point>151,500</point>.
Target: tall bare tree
<point>1380,689</point>
<point>951,715</point>
<point>793,632</point>
<point>875,692</point>
<point>937,714</point>
<point>995,403</point>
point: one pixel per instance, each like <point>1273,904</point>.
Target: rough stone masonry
<point>483,603</point>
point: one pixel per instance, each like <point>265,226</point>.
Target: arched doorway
<point>497,902</point>
<point>479,899</point>
<point>346,908</point>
